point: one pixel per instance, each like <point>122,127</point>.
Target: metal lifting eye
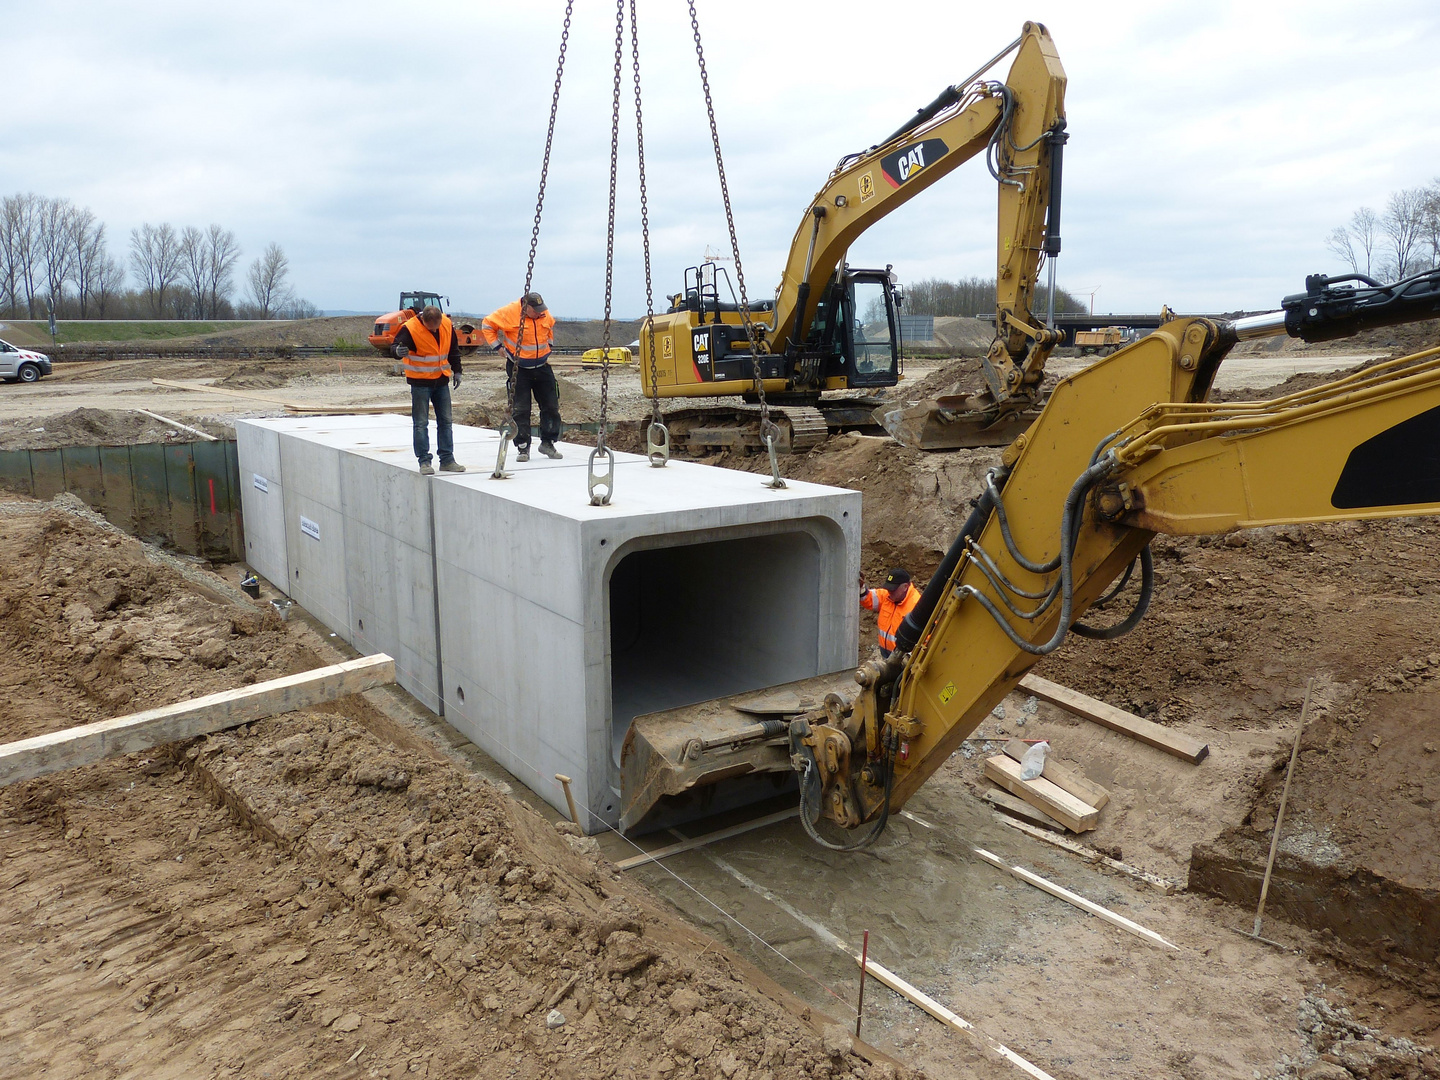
<point>657,444</point>
<point>604,480</point>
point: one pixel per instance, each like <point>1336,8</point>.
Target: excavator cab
<point>871,348</point>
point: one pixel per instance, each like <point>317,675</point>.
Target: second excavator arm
<point>1019,124</point>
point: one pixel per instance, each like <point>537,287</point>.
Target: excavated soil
<point>318,894</point>
<point>93,427</point>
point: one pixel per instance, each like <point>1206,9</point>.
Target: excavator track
<point>737,427</point>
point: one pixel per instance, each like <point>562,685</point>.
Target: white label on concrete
<point>261,484</point>
<point>310,528</point>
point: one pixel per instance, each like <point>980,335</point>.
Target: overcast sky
<point>389,146</point>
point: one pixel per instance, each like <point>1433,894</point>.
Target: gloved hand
<point>401,352</point>
<point>455,383</point>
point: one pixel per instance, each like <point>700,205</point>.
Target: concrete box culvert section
<point>539,625</point>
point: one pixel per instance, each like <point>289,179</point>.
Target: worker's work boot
<point>548,449</point>
<point>452,466</point>
<point>426,469</point>
<point>523,453</point>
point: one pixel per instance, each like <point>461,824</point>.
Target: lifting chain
<point>606,481</point>
<point>657,435</point>
<point>509,428</point>
<point>769,433</point>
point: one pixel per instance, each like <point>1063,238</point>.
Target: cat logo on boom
<point>909,161</point>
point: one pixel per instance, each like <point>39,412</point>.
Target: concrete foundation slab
<point>540,625</point>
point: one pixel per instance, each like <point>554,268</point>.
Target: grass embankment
<point>93,331</point>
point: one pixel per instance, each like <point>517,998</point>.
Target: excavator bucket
<point>949,423</point>
<point>702,759</point>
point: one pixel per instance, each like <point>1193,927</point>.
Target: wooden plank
<point>90,743</point>
<point>1082,787</point>
<point>1077,900</point>
<point>200,388</point>
<point>1040,793</point>
<point>708,838</point>
<point>1006,803</point>
<point>1090,854</point>
<point>1162,738</point>
<point>918,997</point>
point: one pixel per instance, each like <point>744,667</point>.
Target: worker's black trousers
<point>541,382</point>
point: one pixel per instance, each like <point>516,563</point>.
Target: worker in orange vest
<point>891,603</point>
<point>523,331</point>
<point>430,351</point>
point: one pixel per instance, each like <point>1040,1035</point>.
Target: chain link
<point>539,208</point>
<point>610,220</point>
<point>768,431</point>
<point>657,435</point>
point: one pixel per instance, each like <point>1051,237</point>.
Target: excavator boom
<point>1124,449</point>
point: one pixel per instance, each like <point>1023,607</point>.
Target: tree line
<point>1402,240</point>
<point>55,259</point>
<point>973,296</point>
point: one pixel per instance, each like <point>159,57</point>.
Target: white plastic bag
<point>1033,763</point>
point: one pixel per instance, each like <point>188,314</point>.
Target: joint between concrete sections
<point>538,625</point>
<point>435,605</point>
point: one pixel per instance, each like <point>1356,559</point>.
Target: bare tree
<point>1340,243</point>
<point>107,280</point>
<point>155,257</point>
<point>1402,224</point>
<point>192,272</point>
<point>1430,221</point>
<point>56,219</point>
<point>1365,228</point>
<point>222,252</point>
<point>87,248</point>
<point>268,281</point>
<point>20,248</point>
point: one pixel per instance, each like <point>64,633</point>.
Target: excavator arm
<point>1020,125</point>
<point>1124,449</point>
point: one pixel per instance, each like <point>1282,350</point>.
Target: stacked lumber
<point>1073,800</point>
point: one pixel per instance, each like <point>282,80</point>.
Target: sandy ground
<point>284,896</point>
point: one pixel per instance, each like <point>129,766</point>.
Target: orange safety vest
<point>530,349</point>
<point>890,614</point>
<point>430,359</point>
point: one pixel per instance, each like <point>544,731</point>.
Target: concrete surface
<point>551,623</point>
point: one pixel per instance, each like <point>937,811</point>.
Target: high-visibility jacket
<point>889,615</point>
<point>530,348</point>
<point>430,358</point>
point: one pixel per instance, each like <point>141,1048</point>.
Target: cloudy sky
<point>388,146</point>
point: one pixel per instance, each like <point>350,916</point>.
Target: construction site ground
<point>356,891</point>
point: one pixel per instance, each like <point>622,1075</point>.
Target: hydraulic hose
<point>811,790</point>
<point>1142,603</point>
<point>908,636</point>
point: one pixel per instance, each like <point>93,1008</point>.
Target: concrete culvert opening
<point>703,620</point>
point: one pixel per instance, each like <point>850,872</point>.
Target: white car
<point>22,365</point>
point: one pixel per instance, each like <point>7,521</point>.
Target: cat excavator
<point>833,327</point>
<point>1123,450</point>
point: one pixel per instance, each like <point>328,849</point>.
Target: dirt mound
<point>90,627</point>
<point>86,427</point>
<point>577,406</point>
<point>370,852</point>
<point>968,337</point>
<point>253,377</point>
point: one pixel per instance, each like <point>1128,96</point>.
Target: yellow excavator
<point>1127,448</point>
<point>833,327</point>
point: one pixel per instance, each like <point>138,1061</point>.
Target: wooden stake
<point>569,799</point>
<point>864,961</point>
<point>1280,814</point>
